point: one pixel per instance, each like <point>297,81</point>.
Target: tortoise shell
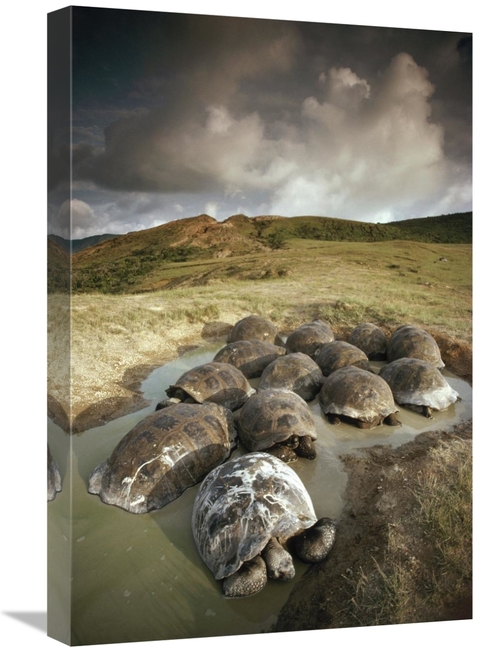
<point>217,382</point>
<point>296,372</point>
<point>370,339</point>
<point>413,342</point>
<point>334,355</point>
<point>242,504</point>
<point>253,327</point>
<point>53,476</point>
<point>163,455</point>
<point>251,357</point>
<point>357,394</point>
<point>309,337</point>
<point>419,383</point>
<point>272,416</point>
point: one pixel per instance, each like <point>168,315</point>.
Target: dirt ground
<point>346,589</point>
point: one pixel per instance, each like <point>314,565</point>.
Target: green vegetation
<point>455,228</point>
<point>343,283</point>
<point>124,273</point>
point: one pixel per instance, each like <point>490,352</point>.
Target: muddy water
<point>139,577</point>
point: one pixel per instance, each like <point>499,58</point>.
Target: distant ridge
<point>82,243</point>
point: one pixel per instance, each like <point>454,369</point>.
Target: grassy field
<point>343,283</point>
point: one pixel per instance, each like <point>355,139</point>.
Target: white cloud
<point>357,150</point>
<point>73,216</point>
<point>370,148</point>
<point>211,208</point>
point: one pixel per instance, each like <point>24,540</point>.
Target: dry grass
<point>428,559</point>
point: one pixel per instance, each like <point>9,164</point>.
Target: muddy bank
<point>348,589</point>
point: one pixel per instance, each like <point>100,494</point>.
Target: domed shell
<point>251,357</point>
<point>272,416</point>
<point>217,382</point>
<point>413,342</point>
<point>370,339</point>
<point>418,382</point>
<point>309,337</point>
<point>296,372</point>
<point>253,327</point>
<point>334,355</point>
<point>242,504</point>
<point>163,455</point>
<point>356,393</point>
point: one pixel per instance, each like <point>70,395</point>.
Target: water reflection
<point>139,576</point>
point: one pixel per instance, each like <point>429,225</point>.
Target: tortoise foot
<point>314,544</point>
<point>249,579</point>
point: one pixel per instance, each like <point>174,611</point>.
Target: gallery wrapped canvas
<point>259,326</point>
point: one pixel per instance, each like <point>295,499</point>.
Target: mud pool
<point>139,577</point>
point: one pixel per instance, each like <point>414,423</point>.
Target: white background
<point>23,274</point>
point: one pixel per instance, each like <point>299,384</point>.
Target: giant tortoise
<point>359,397</point>
<point>217,382</point>
<point>246,513</point>
<point>295,371</point>
<point>418,385</point>
<point>279,421</point>
<point>253,327</point>
<point>163,455</point>
<point>251,357</point>
<point>413,342</point>
<point>371,339</point>
<point>337,354</point>
<point>307,338</point>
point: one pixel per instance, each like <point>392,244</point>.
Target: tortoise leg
<point>283,452</point>
<point>278,561</point>
<point>292,442</point>
<point>334,419</point>
<point>367,425</point>
<point>391,420</point>
<point>314,544</point>
<point>249,579</point>
<point>427,412</point>
<point>306,448</point>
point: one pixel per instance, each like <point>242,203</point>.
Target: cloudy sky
<point>176,115</point>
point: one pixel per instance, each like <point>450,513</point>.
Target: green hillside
<point>197,250</point>
<point>456,228</point>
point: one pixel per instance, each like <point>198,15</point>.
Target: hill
<point>200,249</point>
<point>80,244</point>
<point>455,228</point>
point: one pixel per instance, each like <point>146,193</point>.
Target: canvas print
<point>259,326</point>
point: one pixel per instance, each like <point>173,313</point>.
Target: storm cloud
<point>276,117</point>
